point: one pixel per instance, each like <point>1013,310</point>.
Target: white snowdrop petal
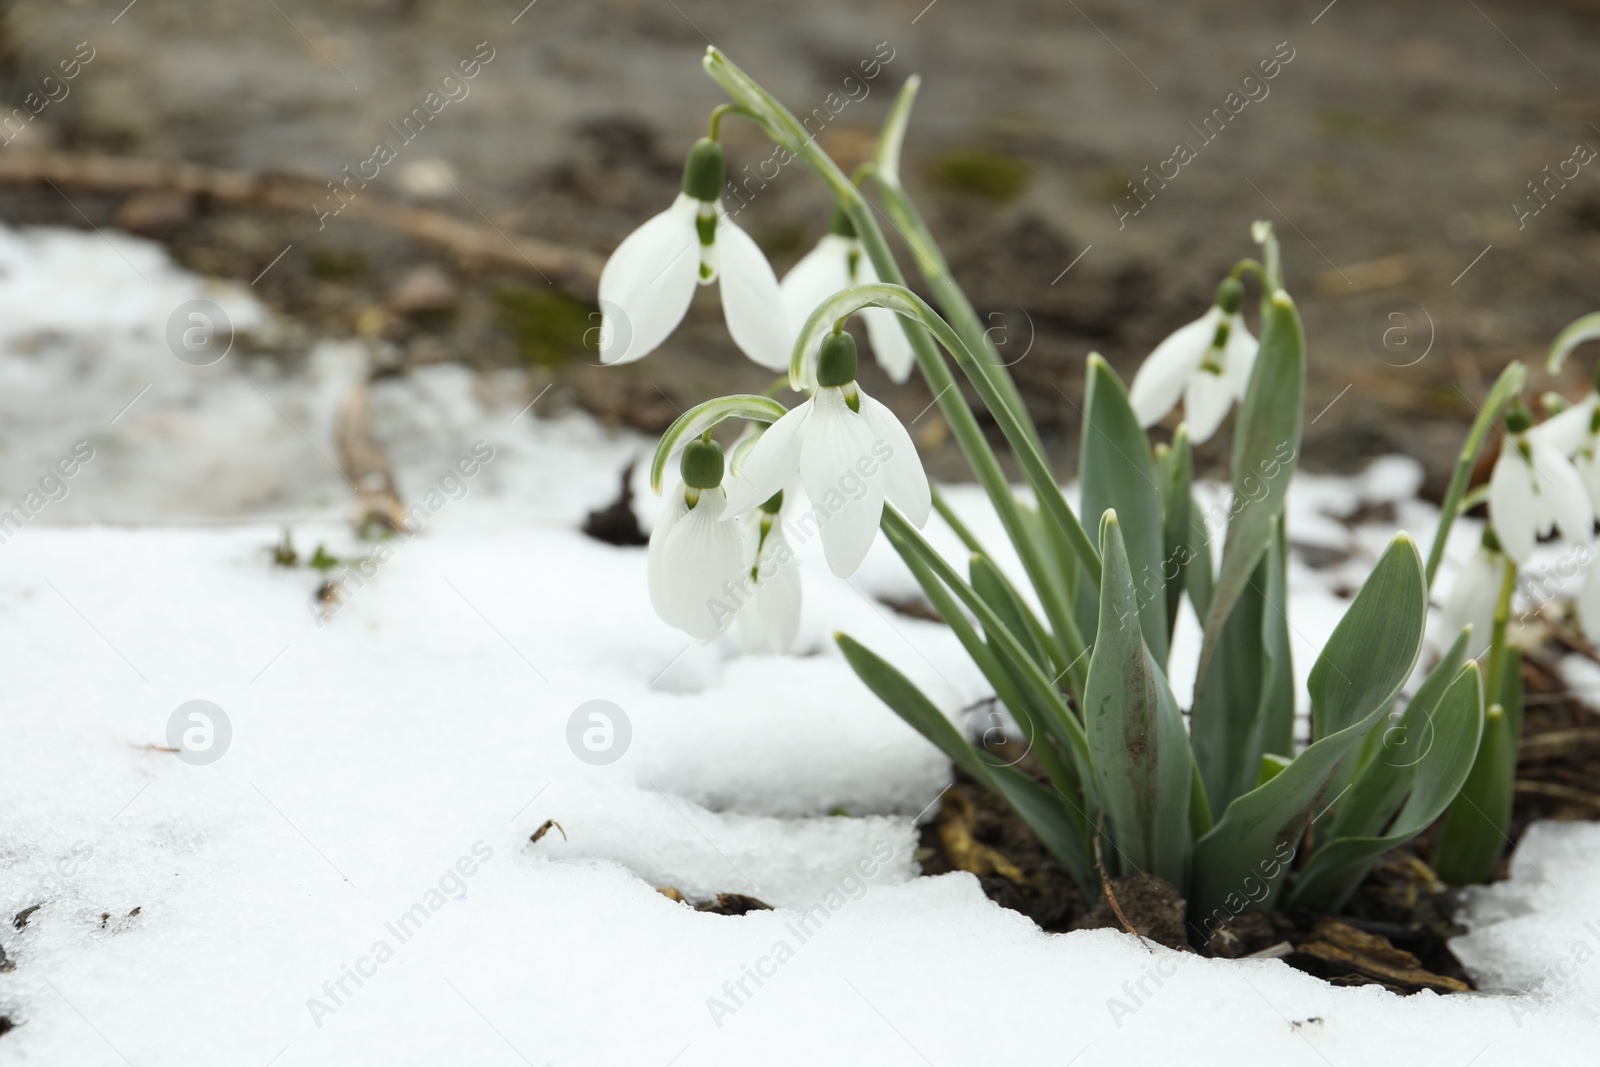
<point>1589,601</point>
<point>835,452</point>
<point>1568,431</point>
<point>1472,601</point>
<point>1562,489</point>
<point>1161,378</point>
<point>1239,355</point>
<point>905,483</point>
<point>889,345</point>
<point>770,463</point>
<point>1588,468</point>
<point>647,284</point>
<point>1511,503</point>
<point>703,561</point>
<point>820,273</point>
<point>1206,403</point>
<point>675,510</point>
<point>771,621</point>
<point>751,300</point>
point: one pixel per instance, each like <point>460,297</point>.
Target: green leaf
<point>1366,661</point>
<point>702,417</point>
<point>1037,806</point>
<point>1137,744</point>
<point>1246,709</point>
<point>1398,751</point>
<point>1337,869</point>
<point>887,155</point>
<point>1177,490</point>
<point>1198,576</point>
<point>1477,827</point>
<point>1266,446</point>
<point>1118,473</point>
<point>998,593</point>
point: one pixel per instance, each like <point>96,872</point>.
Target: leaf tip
<point>1282,299</point>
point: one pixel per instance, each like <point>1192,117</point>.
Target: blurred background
<point>1427,166</point>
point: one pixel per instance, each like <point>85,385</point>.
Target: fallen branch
<point>573,270</point>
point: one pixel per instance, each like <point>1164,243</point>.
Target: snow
<point>350,880</point>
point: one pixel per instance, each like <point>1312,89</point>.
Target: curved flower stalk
<point>697,558</point>
<point>647,284</point>
<point>852,455</point>
<point>1534,488</point>
<point>838,262</point>
<point>1206,362</point>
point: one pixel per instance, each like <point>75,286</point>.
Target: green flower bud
<point>705,172</point>
<point>1518,418</point>
<point>702,465</point>
<point>839,223</point>
<point>1230,295</point>
<point>837,364</point>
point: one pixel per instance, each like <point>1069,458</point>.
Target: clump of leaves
<point>1229,810</point>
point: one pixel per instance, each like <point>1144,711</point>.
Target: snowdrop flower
<point>1535,488</point>
<point>1206,362</point>
<point>770,618</point>
<point>838,262</point>
<point>1475,595</point>
<point>697,558</point>
<point>852,455</point>
<point>647,284</point>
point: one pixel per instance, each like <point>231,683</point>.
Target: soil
<point>1395,152</point>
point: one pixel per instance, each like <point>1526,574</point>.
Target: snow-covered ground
<point>345,875</point>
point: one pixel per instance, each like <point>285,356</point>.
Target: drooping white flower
<point>1206,362</point>
<point>1534,488</point>
<point>1473,598</point>
<point>838,262</point>
<point>697,558</point>
<point>770,618</point>
<point>647,284</point>
<point>852,455</point>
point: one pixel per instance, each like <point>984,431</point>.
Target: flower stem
<point>714,130</point>
<point>1497,640</point>
<point>782,126</point>
<point>1507,386</point>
